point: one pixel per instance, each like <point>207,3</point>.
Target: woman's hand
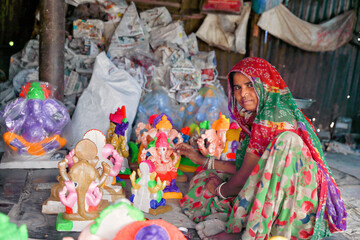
<point>212,183</point>
<point>189,152</point>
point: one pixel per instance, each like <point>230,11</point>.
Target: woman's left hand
<point>213,182</point>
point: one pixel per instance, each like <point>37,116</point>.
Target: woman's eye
<point>236,88</point>
<point>250,85</point>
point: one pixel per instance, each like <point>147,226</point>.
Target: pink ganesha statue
<point>212,142</point>
<point>158,146</point>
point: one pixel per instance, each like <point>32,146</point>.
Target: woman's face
<point>244,92</point>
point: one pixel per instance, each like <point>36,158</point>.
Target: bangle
<point>218,190</point>
<point>211,163</point>
<point>206,162</point>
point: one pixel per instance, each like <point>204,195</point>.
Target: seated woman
<point>281,184</point>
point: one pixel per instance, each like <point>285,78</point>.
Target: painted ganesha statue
<point>157,145</point>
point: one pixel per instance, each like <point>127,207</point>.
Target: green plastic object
<point>63,224</point>
<point>186,161</point>
<point>126,172</point>
<point>134,151</point>
<point>9,231</point>
<point>205,125</point>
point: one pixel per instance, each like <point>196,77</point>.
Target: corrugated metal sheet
<point>330,78</point>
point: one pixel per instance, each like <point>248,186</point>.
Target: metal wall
<point>330,78</point>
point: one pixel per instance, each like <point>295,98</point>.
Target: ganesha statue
<point>102,157</point>
<point>81,194</point>
<point>116,136</point>
<point>34,121</point>
<point>157,123</point>
<point>157,146</point>
<point>212,142</point>
<point>146,193</point>
<point>232,143</point>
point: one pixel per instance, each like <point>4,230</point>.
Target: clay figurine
<point>112,190</point>
<point>117,136</point>
<point>212,142</point>
<point>146,193</point>
<point>105,154</point>
<point>232,143</point>
<point>157,145</point>
<point>81,194</point>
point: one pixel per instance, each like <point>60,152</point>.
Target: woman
<point>281,184</point>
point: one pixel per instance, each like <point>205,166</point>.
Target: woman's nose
<point>244,91</point>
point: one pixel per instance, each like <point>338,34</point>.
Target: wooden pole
<point>52,41</point>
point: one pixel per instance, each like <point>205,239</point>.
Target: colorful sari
<point>291,191</point>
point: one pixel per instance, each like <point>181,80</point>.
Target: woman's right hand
<point>191,153</point>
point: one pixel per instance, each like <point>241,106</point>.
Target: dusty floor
<point>22,191</point>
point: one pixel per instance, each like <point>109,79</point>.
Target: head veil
<point>277,112</point>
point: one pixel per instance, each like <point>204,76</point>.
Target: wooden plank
<point>159,3</point>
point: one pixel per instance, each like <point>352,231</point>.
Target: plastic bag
<point>159,16</point>
<point>129,34</point>
<point>34,122</point>
<point>156,102</point>
<point>91,29</point>
<point>227,32</point>
<point>114,8</point>
<point>192,44</point>
<point>141,65</point>
<point>207,105</point>
<point>184,79</point>
<point>240,32</point>
<point>212,33</point>
<point>173,32</point>
<point>326,36</point>
<point>206,62</point>
<point>109,88</point>
<point>169,53</point>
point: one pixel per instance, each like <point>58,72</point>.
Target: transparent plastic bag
<point>33,123</point>
<point>156,102</point>
<point>207,105</point>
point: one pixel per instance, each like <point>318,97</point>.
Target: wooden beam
<point>161,3</point>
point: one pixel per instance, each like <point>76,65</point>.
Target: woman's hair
<point>231,81</point>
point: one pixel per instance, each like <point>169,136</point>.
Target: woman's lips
<point>247,101</point>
